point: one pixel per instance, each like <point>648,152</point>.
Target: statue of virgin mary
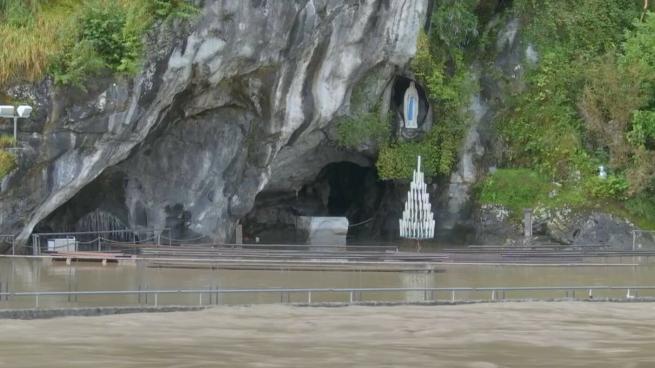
<point>410,107</point>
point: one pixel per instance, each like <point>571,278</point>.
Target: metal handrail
<point>353,292</point>
<point>301,290</point>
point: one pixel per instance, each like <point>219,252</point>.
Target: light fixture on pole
<point>10,112</point>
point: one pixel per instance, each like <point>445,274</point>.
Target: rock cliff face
<point>239,100</point>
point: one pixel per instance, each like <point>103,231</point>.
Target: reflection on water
<point>27,275</point>
<point>472,336</point>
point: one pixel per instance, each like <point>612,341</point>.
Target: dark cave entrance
<point>348,184</point>
<point>99,206</point>
<point>341,189</point>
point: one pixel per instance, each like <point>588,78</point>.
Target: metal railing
<point>99,240</point>
<point>354,295</point>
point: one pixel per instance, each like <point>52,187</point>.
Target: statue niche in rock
<point>413,112</point>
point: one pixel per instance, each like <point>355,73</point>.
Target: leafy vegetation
<point>73,39</point>
<point>441,69</point>
<point>590,101</point>
<point>521,188</point>
<point>502,187</point>
<point>365,128</point>
<point>7,159</point>
<point>6,141</point>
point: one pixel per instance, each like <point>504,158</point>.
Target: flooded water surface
<point>20,274</point>
<point>567,334</point>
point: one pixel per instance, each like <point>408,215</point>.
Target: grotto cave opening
<point>99,206</point>
<point>341,189</point>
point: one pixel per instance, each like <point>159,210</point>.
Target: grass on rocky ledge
<point>516,189</point>
<point>44,36</point>
<point>31,39</point>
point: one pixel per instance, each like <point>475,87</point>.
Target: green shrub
<point>168,9</point>
<point>108,37</point>
<point>641,209</point>
<point>6,141</point>
<point>397,161</point>
<point>75,66</point>
<point>514,189</point>
<point>612,187</point>
<point>353,131</point>
<point>7,159</point>
<point>7,163</point>
<point>642,128</point>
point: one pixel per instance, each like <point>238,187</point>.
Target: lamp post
<point>10,112</point>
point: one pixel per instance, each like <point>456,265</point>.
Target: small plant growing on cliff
<point>168,9</point>
<point>7,163</point>
<point>7,159</point>
<point>365,128</point>
<point>6,141</point>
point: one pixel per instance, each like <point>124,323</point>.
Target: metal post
<point>36,247</point>
<point>239,234</point>
<point>493,294</point>
<point>15,131</point>
<point>351,297</point>
<point>156,297</point>
<point>13,245</point>
<point>36,301</point>
<point>634,239</point>
<point>99,246</point>
<point>527,224</point>
<point>200,299</point>
<point>452,296</point>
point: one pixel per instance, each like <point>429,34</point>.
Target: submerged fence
<point>97,240</point>
<point>215,296</point>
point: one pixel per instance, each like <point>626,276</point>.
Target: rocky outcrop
<point>237,100</point>
<point>586,228</point>
<point>495,225</point>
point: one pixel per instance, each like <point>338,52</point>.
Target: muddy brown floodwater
<point>535,334</point>
<point>37,275</point>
